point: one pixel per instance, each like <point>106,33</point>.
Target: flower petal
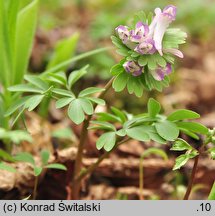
<point>123,33</point>
<point>133,68</point>
<point>160,23</point>
<point>175,52</point>
<point>140,32</point>
<point>160,73</point>
<point>171,11</point>
<point>146,47</point>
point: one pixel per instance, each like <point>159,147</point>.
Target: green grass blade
<point>58,67</point>
<point>25,30</point>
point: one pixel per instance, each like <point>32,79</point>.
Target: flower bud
<point>133,68</point>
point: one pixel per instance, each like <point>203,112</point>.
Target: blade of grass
<point>74,59</point>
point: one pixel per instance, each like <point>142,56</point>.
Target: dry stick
<point>84,132</point>
<point>91,168</point>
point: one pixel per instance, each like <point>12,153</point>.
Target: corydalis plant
<point>148,47</point>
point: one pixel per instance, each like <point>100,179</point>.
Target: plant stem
<point>84,132</point>
<point>91,168</point>
<point>189,188</point>
<point>194,169</point>
<point>35,188</point>
<point>141,179</point>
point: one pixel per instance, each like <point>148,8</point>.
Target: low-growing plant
<point>147,48</point>
<point>38,169</point>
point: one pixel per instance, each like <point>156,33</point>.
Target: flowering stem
<point>194,169</point>
<point>91,168</point>
<point>84,132</point>
<point>190,185</point>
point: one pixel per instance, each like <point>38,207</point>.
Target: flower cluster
<point>147,39</point>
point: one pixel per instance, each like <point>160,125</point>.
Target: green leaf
<point>16,105</point>
<point>120,82</point>
<point>63,102</point>
<point>167,130</point>
<point>153,107</point>
<point>116,69</point>
<point>15,136</point>
<point>63,92</point>
<point>160,60</point>
<point>45,154</point>
<point>59,78</point>
<point>135,86</point>
<point>155,151</point>
<point>212,153</point>
<point>143,60</point>
<point>25,30</point>
<point>36,81</point>
<point>33,102</point>
<point>5,156</point>
<point>182,159</point>
<point>138,133</point>
<point>25,88</point>
<point>76,75</point>
<point>18,136</point>
<point>119,113</point>
<point>106,140</point>
<point>182,114</point>
<point>98,101</point>
<point>56,166</point>
<point>64,50</point>
<point>212,193</point>
<point>75,112</point>
<point>152,65</point>
<point>89,91</point>
<point>25,157</point>
<point>104,125</point>
<point>180,145</point>
<point>122,49</point>
<point>189,133</point>
<point>37,170</point>
<point>4,166</point>
<point>78,107</point>
<point>63,133</point>
<point>121,132</point>
<point>86,106</point>
<point>193,127</point>
<point>108,117</point>
<point>155,136</point>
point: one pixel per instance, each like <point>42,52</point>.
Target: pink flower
<point>160,23</point>
<point>133,68</point>
<point>140,33</point>
<point>160,72</point>
<point>146,47</point>
<point>123,33</point>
